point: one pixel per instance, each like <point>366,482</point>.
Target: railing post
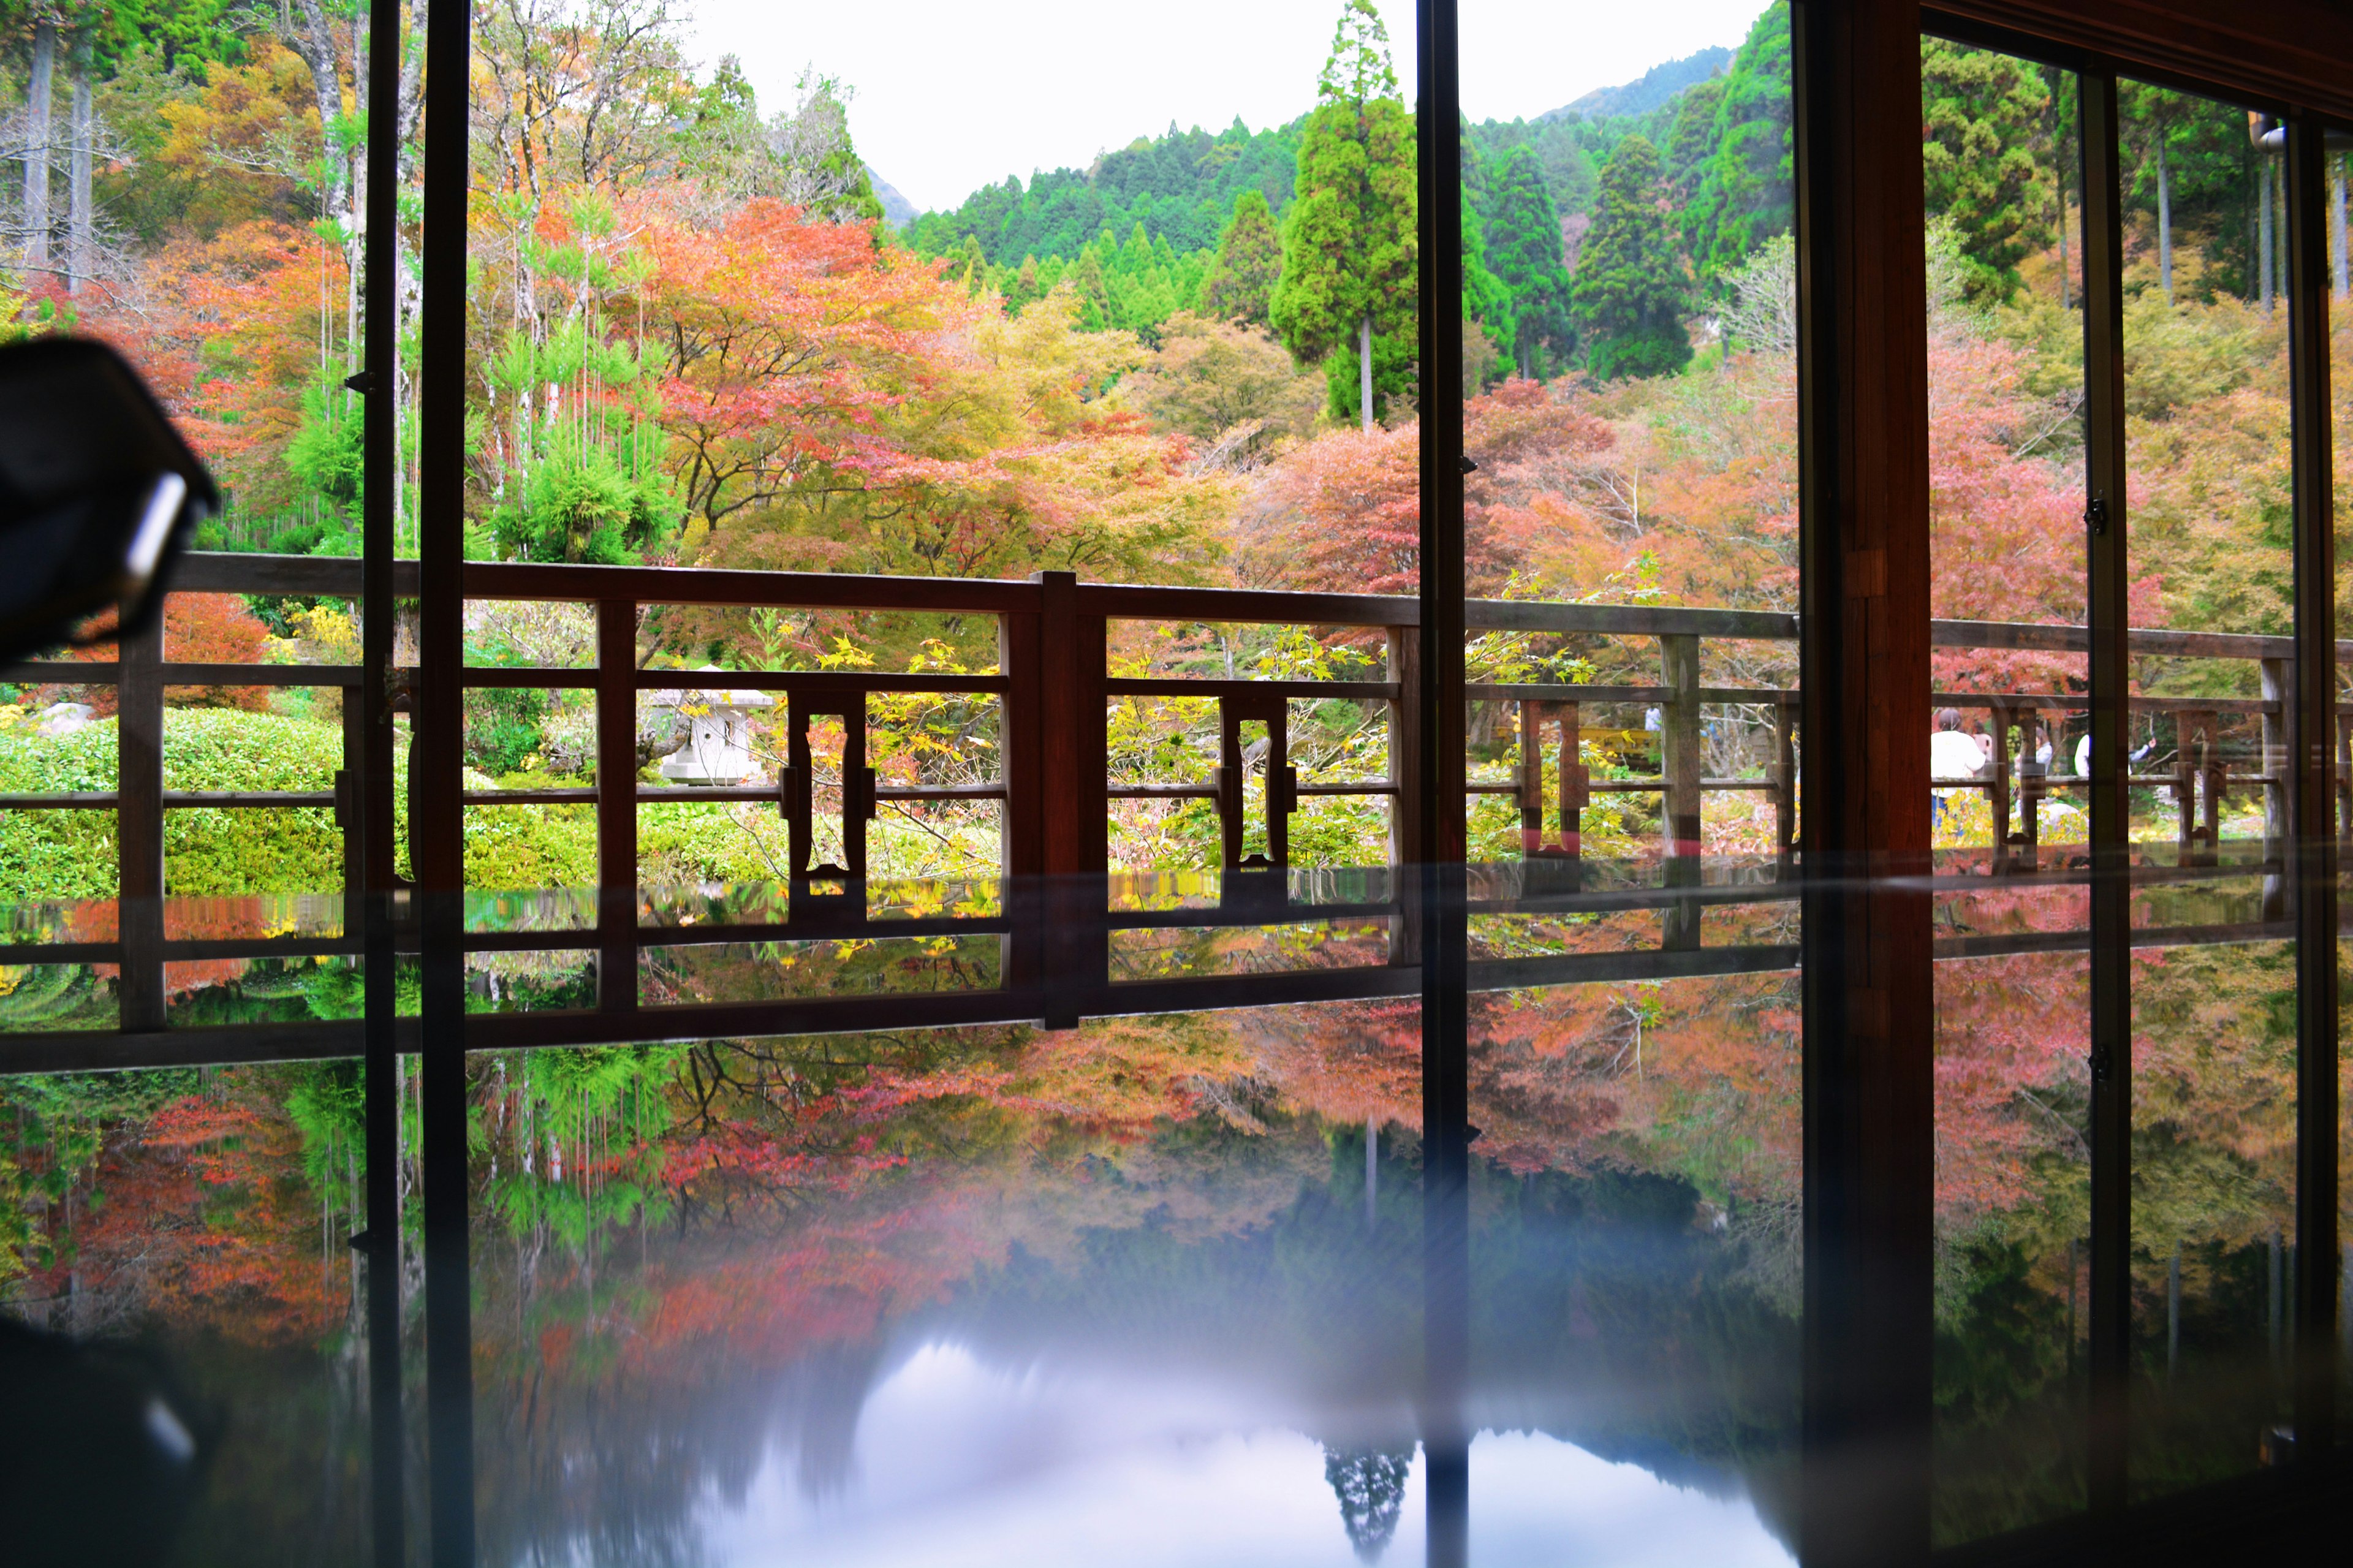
<point>350,817</point>
<point>1784,776</point>
<point>616,805</point>
<point>1022,827</point>
<point>2032,772</point>
<point>1230,780</point>
<point>1680,765</point>
<point>1998,797</point>
<point>2345,793</point>
<point>798,786</point>
<point>1074,760</point>
<point>1406,851</point>
<point>2279,848</point>
<point>2197,761</point>
<point>138,826</point>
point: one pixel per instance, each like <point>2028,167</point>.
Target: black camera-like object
<point>98,493</point>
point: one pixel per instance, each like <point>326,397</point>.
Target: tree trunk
<point>313,41</point>
<point>1365,372</point>
<point>2336,226</point>
<point>2164,221</point>
<point>2066,292</point>
<point>2052,76</point>
<point>36,145</point>
<point>82,223</point>
<point>2264,228</point>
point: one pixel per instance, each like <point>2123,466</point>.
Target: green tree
<point>1629,292</point>
<point>1747,189</point>
<point>1691,139</point>
<point>1348,249</point>
<point>1487,307</point>
<point>2152,119</point>
<point>1248,264</point>
<point>1524,251</point>
<point>1982,120</point>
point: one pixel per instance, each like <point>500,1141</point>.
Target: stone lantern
<point>718,749</point>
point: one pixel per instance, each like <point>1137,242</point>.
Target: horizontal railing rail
<point>1055,786</point>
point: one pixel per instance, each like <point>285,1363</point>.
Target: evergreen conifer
<point>1524,251</point>
<point>1348,249</point>
<point>1250,260</point>
<point>1629,293</point>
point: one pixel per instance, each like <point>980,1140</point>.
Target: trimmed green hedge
<point>211,851</point>
<point>207,851</point>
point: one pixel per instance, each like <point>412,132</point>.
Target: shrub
<point>206,851</point>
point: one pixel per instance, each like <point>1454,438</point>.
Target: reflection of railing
<point>1059,915</point>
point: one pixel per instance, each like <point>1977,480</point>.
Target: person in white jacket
<point>1953,755</point>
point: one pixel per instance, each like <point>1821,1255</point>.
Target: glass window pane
<point>1628,396</point>
<point>2009,699</point>
<point>2209,556</point>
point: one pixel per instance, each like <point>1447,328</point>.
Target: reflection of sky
<point>956,1463</point>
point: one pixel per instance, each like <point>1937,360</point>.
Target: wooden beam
<point>2311,849</point>
<point>1869,1176</point>
<point>2280,52</point>
<point>2109,1320</point>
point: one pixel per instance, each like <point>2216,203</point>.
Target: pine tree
<point>1348,248</point>
<point>1629,292</point>
<point>1983,115</point>
<point>1248,261</point>
<point>1524,251</point>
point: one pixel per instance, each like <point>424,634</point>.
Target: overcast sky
<point>956,94</point>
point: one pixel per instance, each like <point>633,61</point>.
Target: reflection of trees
<point>1370,1485</point>
<point>203,1213</point>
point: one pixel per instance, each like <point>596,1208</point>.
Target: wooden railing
<point>1060,908</point>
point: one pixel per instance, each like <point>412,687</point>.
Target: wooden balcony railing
<point>1059,907</point>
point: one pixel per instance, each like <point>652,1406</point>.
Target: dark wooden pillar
<point>1869,1113</point>
<point>437,823</point>
<point>2109,1319</point>
<point>138,826</point>
<point>1073,754</point>
<point>1438,765</point>
<point>2311,752</point>
<point>616,805</point>
<point>372,871</point>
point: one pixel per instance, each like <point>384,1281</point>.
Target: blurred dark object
<point>98,494</point>
<point>100,1454</point>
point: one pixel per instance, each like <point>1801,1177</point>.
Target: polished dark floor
<point>1158,1290</point>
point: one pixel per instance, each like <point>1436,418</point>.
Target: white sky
<point>959,1464</point>
<point>956,94</point>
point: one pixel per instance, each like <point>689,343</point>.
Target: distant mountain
<point>897,210</point>
<point>1657,85</point>
<point>1180,187</point>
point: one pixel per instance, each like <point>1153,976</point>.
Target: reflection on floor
<point>1149,1291</point>
<point>1154,1290</point>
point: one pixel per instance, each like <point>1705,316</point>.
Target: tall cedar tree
<point>1490,324</point>
<point>1523,250</point>
<point>1747,188</point>
<point>1981,117</point>
<point>1348,249</point>
<point>1692,138</point>
<point>1630,294</point>
<point>1250,259</point>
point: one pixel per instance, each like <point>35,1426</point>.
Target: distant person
<point>2083,757</point>
<point>1952,755</point>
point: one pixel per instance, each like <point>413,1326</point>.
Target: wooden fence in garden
<point>1059,909</point>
